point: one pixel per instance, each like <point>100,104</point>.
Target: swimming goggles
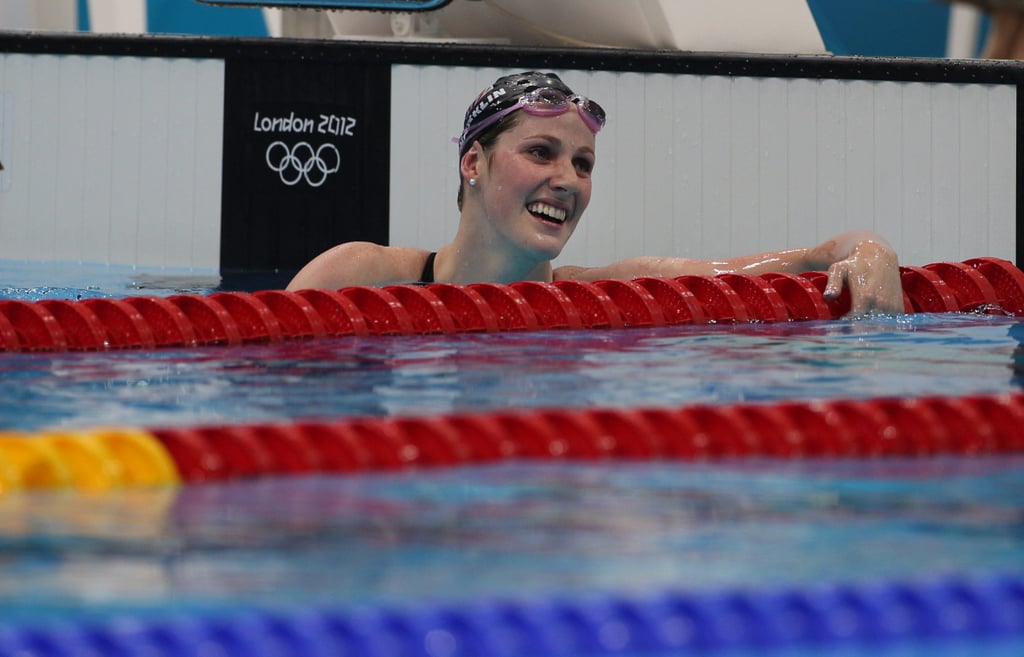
<point>542,102</point>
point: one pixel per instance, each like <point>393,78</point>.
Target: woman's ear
<point>470,163</point>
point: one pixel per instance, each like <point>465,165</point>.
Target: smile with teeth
<point>548,212</point>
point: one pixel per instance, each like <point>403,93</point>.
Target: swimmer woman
<point>525,157</point>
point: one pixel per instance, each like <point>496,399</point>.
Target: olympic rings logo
<point>301,161</point>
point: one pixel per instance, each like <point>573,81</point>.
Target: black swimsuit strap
<point>428,269</point>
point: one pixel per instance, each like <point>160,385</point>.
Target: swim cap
<point>504,93</point>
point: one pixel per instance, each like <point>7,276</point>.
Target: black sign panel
<point>306,160</point>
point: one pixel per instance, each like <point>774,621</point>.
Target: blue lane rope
<point>951,611</point>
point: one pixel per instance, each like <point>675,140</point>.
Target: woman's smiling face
<point>535,181</point>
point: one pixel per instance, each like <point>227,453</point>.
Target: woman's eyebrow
<point>555,141</point>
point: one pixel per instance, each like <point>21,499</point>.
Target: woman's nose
<point>565,178</point>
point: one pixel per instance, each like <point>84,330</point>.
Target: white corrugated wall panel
<point>655,216</point>
<point>712,166</point>
<point>773,175</point>
<point>888,174</point>
<point>972,172</point>
<point>154,125</point>
<point>716,190</point>
<point>859,154</point>
<point>916,150</point>
<point>71,172</point>
<point>632,192</point>
<point>126,164</point>
<point>830,167</point>
<point>801,157</point>
<point>1002,169</point>
<point>687,174</point>
<point>945,172</point>
<point>178,233</point>
<point>745,203</point>
<point>41,140</point>
<point>206,127</point>
<point>94,235</point>
<point>113,160</point>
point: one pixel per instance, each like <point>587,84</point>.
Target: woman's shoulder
<point>361,263</point>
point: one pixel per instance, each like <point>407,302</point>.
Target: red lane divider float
<point>875,428</point>
<point>106,458</point>
<point>986,285</point>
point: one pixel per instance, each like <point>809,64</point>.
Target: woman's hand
<point>870,271</point>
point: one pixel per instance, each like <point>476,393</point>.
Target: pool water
<point>517,529</point>
<point>511,530</point>
<point>32,281</point>
<point>417,375</point>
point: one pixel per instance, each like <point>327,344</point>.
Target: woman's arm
<point>859,260</point>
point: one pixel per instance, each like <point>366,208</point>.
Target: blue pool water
<point>32,281</point>
<point>912,355</point>
<point>509,532</point>
<point>514,530</point>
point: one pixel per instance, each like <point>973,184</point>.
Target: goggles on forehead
<point>541,102</point>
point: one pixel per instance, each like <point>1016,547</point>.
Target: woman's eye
<point>584,166</point>
<point>541,152</point>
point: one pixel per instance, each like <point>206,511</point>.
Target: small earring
<point>472,182</point>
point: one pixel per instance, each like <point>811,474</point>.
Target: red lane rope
<point>873,428</point>
<point>985,285</point>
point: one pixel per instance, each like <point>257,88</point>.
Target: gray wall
<point>111,159</point>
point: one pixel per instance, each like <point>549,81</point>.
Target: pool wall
<point>167,151</point>
<point>111,159</point>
